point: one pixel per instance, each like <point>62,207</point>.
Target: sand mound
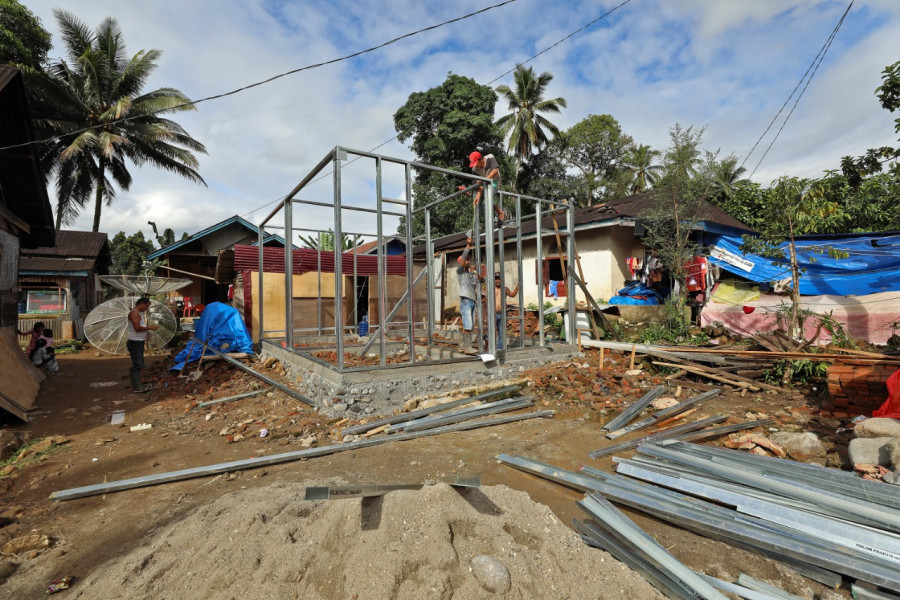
<point>407,545</point>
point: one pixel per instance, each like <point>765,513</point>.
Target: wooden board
<point>20,380</point>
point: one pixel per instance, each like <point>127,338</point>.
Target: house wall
<point>9,276</point>
<point>396,287</point>
<point>602,252</point>
<point>305,301</point>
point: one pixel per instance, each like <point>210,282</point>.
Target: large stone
<point>870,451</point>
<point>11,440</point>
<point>877,427</point>
<point>491,573</point>
<point>806,443</point>
<point>893,478</point>
<point>25,543</point>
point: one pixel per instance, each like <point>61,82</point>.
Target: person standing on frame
<point>486,166</point>
<point>137,338</point>
<point>468,282</point>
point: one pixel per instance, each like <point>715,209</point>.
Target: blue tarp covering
<point>873,264</point>
<point>636,293</point>
<point>219,324</point>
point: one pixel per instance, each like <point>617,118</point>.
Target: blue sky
<point>727,65</point>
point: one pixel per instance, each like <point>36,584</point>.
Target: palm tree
<point>525,126</point>
<point>94,109</point>
<point>643,170</point>
<point>726,178</point>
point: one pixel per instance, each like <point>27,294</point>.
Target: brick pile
<point>858,387</point>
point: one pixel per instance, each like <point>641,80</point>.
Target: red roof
<point>305,260</point>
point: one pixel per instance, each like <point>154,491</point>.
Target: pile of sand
<point>407,545</point>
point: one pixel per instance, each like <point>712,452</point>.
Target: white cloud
<point>726,65</point>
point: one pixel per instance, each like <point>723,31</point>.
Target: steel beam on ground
<point>468,413</point>
<point>632,411</point>
<point>738,590</point>
<point>600,508</point>
<point>762,586</point>
<point>263,461</point>
<point>416,414</point>
<point>659,435</point>
<point>663,414</point>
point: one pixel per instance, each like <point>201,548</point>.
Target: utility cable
<point>279,76</point>
<point>524,62</point>
<point>816,63</point>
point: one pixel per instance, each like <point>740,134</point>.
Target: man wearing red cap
<point>486,166</point>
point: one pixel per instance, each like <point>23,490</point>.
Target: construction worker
<point>468,280</point>
<point>486,166</point>
<point>498,306</point>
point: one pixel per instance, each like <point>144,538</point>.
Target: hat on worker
<point>474,158</point>
<point>497,275</point>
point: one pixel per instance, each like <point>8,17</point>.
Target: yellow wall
<point>305,293</point>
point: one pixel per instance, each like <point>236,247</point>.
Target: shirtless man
<point>498,306</point>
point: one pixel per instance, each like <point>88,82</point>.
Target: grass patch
<point>28,454</point>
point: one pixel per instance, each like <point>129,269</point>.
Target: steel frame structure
<point>491,240</point>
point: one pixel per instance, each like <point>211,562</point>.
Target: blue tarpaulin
<point>219,324</point>
<point>872,264</point>
<point>636,293</point>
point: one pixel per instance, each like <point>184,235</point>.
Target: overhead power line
<point>494,80</point>
<point>280,75</point>
<point>807,78</point>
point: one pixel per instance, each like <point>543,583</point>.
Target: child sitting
<point>35,334</point>
<point>44,355</point>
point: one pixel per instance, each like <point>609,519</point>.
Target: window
<point>39,302</point>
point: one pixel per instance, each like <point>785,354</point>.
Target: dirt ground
<point>220,533</point>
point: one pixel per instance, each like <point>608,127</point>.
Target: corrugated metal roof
<point>22,187</point>
<point>84,244</point>
<point>55,264</point>
<point>304,260</point>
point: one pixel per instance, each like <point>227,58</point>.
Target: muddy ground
<point>88,535</point>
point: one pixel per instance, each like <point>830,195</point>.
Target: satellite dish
<point>106,327</point>
<point>145,285</point>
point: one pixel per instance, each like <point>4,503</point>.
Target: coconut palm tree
<point>726,178</point>
<point>94,108</point>
<point>525,126</point>
<point>644,172</point>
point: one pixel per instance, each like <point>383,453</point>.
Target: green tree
<point>856,169</point>
<point>167,238</point>
<point>873,204</point>
<point>525,127</point>
<point>94,108</point>
<point>597,147</point>
<point>129,252</point>
<point>23,39</point>
<point>795,207</point>
<point>679,199</point>
<point>444,125</point>
<point>726,177</point>
<point>325,241</point>
<point>748,203</point>
<point>641,163</point>
<point>547,175</point>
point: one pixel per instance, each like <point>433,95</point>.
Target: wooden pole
<point>601,357</point>
<point>633,351</point>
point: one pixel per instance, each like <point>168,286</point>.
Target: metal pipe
<point>429,281</point>
<point>572,334</point>
<point>288,275</point>
<point>356,208</point>
<point>520,272</point>
<point>632,411</point>
<point>338,262</point>
<point>263,461</point>
<point>410,304</point>
<point>382,284</point>
<point>539,240</point>
<point>490,303</point>
<point>260,274</point>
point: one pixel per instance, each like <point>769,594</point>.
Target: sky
<point>725,65</point>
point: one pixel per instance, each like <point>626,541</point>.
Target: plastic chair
<point>188,307</point>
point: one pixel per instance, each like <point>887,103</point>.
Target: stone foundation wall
<point>858,387</point>
<point>382,391</point>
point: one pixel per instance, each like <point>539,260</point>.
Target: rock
<point>664,402</point>
<point>7,470</point>
<point>339,407</point>
<point>10,441</point>
<point>308,442</point>
<point>7,568</point>
<point>894,453</point>
<point>806,443</point>
<point>893,478</point>
<point>491,573</point>
<point>633,372</point>
<point>26,543</point>
<point>877,427</point>
<point>870,451</point>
